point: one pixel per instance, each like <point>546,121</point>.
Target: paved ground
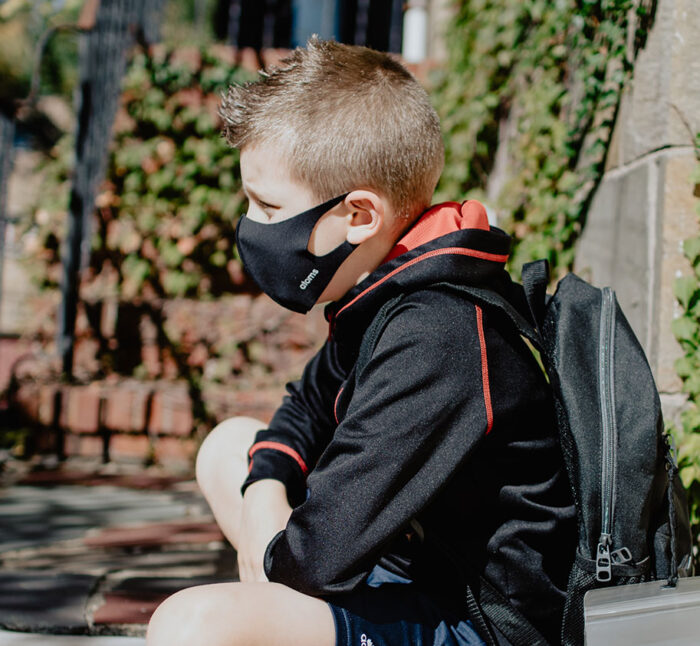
<point>91,555</point>
<point>8,638</point>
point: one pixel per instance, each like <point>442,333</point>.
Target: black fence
<point>261,24</point>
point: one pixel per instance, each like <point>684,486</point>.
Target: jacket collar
<point>440,220</point>
<point>450,242</point>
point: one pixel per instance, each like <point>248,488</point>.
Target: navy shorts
<point>391,611</point>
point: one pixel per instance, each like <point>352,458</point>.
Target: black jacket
<point>446,437</point>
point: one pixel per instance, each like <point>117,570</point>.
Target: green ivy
<point>167,211</point>
<point>543,77</point>
<point>22,23</point>
<point>687,330</point>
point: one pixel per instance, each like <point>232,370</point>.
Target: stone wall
<point>645,205</point>
<point>440,13</point>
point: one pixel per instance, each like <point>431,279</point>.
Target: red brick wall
<point>12,349</point>
<point>162,417</point>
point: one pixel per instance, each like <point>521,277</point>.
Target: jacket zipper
<point>605,556</point>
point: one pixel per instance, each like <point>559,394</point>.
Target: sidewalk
<point>34,639</point>
<point>94,555</point>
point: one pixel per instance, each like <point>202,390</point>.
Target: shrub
<point>527,102</point>
<point>167,211</point>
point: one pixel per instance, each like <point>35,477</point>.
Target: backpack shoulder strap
<point>493,299</point>
<point>528,326</point>
<point>506,618</point>
<point>535,277</point>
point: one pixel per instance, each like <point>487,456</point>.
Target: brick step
<point>150,421</point>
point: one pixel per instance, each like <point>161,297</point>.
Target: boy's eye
<point>263,205</point>
<point>258,201</point>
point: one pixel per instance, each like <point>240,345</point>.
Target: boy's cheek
<point>254,213</point>
<point>328,234</point>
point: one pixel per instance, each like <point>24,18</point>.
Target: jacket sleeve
<point>300,429</point>
<point>419,408</point>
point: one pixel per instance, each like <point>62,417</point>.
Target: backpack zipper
<point>606,383</point>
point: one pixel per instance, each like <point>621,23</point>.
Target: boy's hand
<point>265,512</point>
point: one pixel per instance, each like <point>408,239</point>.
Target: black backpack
<point>631,508</point>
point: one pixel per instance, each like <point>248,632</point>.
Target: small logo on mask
<point>365,641</point>
<point>307,281</point>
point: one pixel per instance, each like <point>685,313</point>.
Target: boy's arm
<point>264,512</point>
<point>300,429</point>
<point>419,408</point>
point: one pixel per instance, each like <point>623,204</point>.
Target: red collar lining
<point>440,220</point>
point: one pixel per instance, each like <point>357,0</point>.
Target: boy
<point>383,484</point>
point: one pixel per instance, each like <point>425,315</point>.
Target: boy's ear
<point>368,211</point>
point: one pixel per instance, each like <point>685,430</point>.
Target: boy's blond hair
<point>345,117</point>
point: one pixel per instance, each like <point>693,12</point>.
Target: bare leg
<point>222,467</point>
<point>245,614</point>
<point>232,614</point>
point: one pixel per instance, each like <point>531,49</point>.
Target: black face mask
<point>277,258</point>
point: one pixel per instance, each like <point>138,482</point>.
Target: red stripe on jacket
<point>457,251</point>
<point>283,448</point>
<point>335,405</point>
<point>484,369</point>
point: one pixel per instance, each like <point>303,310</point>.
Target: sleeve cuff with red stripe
<point>284,465</point>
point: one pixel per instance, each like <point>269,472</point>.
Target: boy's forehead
<point>265,172</point>
<point>261,165</point>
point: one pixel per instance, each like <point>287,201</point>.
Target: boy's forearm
<point>265,513</point>
<point>266,491</point>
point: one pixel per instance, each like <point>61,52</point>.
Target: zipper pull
<point>621,556</point>
<point>603,562</point>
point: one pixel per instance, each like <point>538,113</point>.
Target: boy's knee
<point>221,614</point>
<point>229,440</point>
<point>166,625</point>
<point>185,619</point>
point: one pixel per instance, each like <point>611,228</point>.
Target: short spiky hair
<point>347,117</point>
